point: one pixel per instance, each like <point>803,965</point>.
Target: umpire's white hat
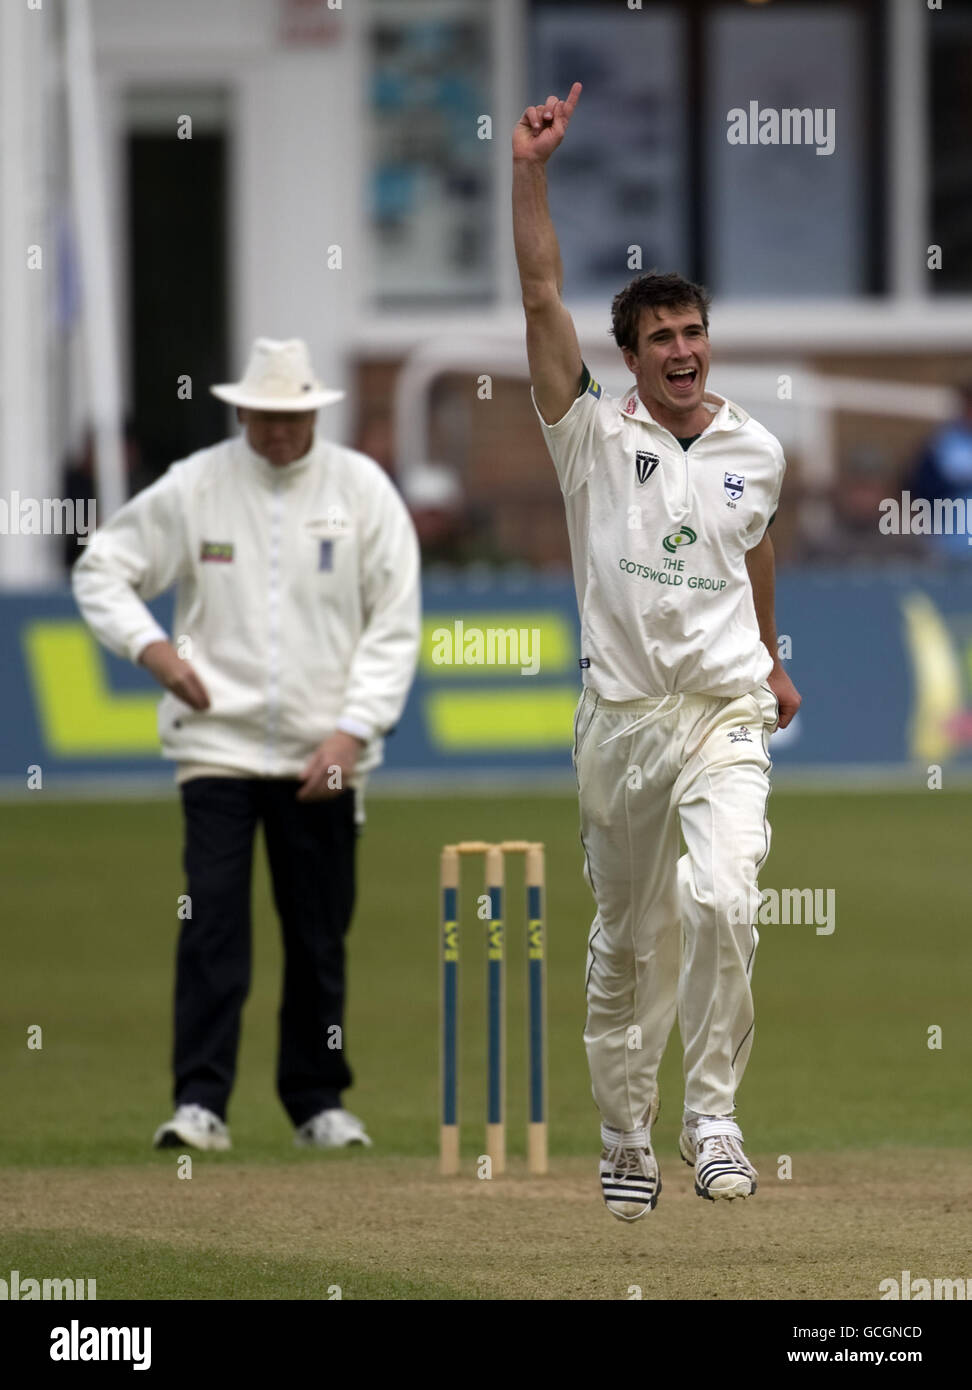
<point>278,376</point>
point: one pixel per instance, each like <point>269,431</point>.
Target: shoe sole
<point>351,1144</point>
<point>170,1139</point>
<point>727,1195</point>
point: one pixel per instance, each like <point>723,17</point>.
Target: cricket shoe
<point>713,1147</point>
<point>194,1127</point>
<point>630,1181</point>
<point>332,1129</point>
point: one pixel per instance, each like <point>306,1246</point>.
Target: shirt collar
<point>726,415</point>
<point>271,473</point>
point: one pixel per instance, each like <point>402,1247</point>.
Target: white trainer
<point>332,1129</point>
<point>630,1180</point>
<point>712,1145</point>
<point>194,1127</point>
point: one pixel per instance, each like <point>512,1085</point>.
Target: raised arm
<point>552,348</point>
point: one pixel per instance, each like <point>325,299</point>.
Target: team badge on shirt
<point>219,551</point>
<point>735,482</point>
<point>645,464</point>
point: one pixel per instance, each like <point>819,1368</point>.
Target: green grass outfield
<point>840,1061</point>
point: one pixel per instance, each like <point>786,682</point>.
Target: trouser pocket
<point>583,719</point>
<point>769,705</point>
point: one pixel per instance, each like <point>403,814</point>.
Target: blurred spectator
<point>852,511</point>
<point>435,499</point>
<point>78,485</point>
<point>865,482</point>
<point>944,470</point>
<point>447,531</point>
<point>78,479</point>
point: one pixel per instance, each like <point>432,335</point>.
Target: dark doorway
<point>177,192</point>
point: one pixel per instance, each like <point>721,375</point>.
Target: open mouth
<point>682,378</point>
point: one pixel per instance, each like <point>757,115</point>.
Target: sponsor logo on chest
<point>683,536</point>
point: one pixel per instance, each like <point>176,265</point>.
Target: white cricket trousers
<point>673,934</point>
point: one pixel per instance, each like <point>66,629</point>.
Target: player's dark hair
<point>654,291</point>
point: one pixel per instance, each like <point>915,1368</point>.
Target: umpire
<point>296,636</point>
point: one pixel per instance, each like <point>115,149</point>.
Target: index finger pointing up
<point>572,99</point>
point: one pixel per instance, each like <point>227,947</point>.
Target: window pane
<point>430,186</point>
<point>618,180</point>
<point>781,218</point>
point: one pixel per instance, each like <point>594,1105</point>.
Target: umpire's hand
<point>329,770</point>
<point>169,669</point>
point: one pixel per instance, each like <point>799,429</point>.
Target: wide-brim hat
<point>278,376</point>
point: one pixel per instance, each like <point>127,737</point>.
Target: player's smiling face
<point>672,362</point>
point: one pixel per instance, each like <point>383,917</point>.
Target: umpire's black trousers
<point>311,848</point>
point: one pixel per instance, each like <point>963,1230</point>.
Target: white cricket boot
<point>630,1180</point>
<point>194,1127</point>
<point>712,1145</point>
<point>332,1129</point>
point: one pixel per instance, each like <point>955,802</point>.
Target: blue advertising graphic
<point>883,661</point>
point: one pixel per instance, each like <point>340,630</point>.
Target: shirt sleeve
<point>136,555</point>
<point>385,658</point>
<point>761,526</point>
<point>575,439</point>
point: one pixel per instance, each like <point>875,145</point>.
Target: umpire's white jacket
<point>297,587</point>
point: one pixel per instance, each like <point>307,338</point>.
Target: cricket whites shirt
<point>658,539</point>
<point>297,598</point>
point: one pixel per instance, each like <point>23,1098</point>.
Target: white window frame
<point>907,319</point>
